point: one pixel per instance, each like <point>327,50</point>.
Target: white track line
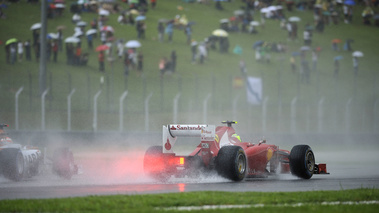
<point>212,207</point>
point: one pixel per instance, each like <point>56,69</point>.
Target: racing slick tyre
<point>302,161</point>
<point>231,163</point>
<point>154,164</point>
<point>12,164</point>
<point>63,163</point>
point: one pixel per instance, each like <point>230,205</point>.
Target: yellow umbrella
<point>220,33</point>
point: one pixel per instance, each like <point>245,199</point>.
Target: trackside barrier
<point>121,112</point>
<point>94,123</point>
<point>16,106</point>
<point>293,115</point>
<point>43,96</point>
<point>264,114</point>
<point>175,111</point>
<point>205,107</point>
<point>320,114</point>
<point>69,109</point>
<point>147,112</point>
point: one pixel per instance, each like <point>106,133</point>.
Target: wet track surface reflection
<point>122,173</point>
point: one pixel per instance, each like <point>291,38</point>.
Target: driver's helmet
<point>237,137</point>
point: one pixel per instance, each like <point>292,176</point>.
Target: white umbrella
<point>60,5</point>
<point>238,12</point>
<point>81,24</point>
<point>254,23</point>
<point>294,19</point>
<point>133,44</point>
<point>224,20</point>
<point>77,34</point>
<point>53,35</point>
<point>36,26</point>
<point>265,10</point>
<point>72,40</point>
<point>91,31</point>
<point>103,12</point>
<point>357,54</point>
<point>107,28</point>
<point>272,8</point>
<point>220,33</point>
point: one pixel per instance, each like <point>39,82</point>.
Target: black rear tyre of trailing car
<point>231,163</point>
<point>12,164</point>
<point>154,164</point>
<point>63,163</point>
<point>302,161</point>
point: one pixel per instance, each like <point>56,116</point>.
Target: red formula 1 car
<point>221,150</point>
<point>18,162</point>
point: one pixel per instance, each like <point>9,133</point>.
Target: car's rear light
<point>181,161</point>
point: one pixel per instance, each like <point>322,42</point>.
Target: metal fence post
<point>348,114</point>
<point>147,112</point>
<point>264,114</point>
<point>320,114</point>
<point>94,123</point>
<point>43,96</point>
<point>175,111</point>
<point>121,112</point>
<point>205,107</point>
<point>16,106</point>
<point>69,109</point>
<point>293,115</point>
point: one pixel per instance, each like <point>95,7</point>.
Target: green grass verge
<point>271,201</point>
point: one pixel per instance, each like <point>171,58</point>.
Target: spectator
<point>162,66</point>
<point>188,32</point>
<point>101,58</point>
<point>140,62</point>
<point>20,50</point>
<point>173,60</point>
<point>153,4</point>
<point>55,49</point>
<point>13,52</point>
<point>202,52</point>
<point>161,30</point>
<point>307,37</point>
<point>355,65</point>
<point>169,30</point>
<point>28,55</point>
<point>60,39</point>
<point>126,64</point>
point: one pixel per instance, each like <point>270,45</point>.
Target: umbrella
<point>224,20</point>
<point>61,27</point>
<point>52,36</point>
<point>81,24</point>
<point>107,28</point>
<point>36,26</point>
<point>265,10</point>
<point>91,31</point>
<point>220,33</point>
<point>294,19</point>
<point>10,41</point>
<point>349,2</point>
<point>60,6</point>
<point>72,40</point>
<point>134,12</point>
<point>295,54</point>
<point>238,12</point>
<point>305,48</point>
<point>102,47</point>
<point>140,18</point>
<point>77,34</point>
<point>258,44</point>
<point>272,8</point>
<point>357,54</point>
<point>103,12</point>
<point>339,57</point>
<point>133,44</point>
<point>254,23</point>
<point>336,40</point>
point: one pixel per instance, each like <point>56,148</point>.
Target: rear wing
<point>172,131</point>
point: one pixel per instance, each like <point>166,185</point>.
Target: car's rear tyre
<point>154,164</point>
<point>63,163</point>
<point>231,163</point>
<point>302,161</point>
<point>12,164</point>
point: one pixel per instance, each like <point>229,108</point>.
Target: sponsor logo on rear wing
<point>172,131</point>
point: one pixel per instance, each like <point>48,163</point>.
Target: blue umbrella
<point>339,57</point>
<point>258,44</point>
<point>295,53</point>
<point>349,2</point>
<point>140,18</point>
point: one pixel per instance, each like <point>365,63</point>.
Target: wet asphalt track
<point>122,174</point>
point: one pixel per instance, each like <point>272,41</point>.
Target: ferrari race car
<point>221,150</point>
<point>18,162</point>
